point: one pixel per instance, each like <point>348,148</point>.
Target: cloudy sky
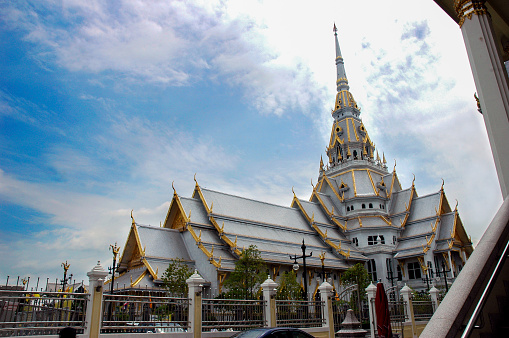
<point>104,104</point>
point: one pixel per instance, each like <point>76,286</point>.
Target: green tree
<point>357,274</point>
<point>250,272</point>
<point>289,288</point>
<point>175,276</point>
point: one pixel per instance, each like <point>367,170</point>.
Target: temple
<point>357,212</point>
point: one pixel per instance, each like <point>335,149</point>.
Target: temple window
<point>371,205</point>
<point>382,239</point>
<point>414,270</point>
<point>372,240</point>
<point>363,206</point>
<point>355,241</point>
<point>371,267</point>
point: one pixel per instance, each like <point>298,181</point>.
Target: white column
<point>95,302</point>
<point>371,292</point>
<point>195,283</point>
<point>491,82</point>
<point>325,294</point>
<point>433,292</point>
<point>269,296</point>
<point>406,292</point>
<point>451,267</point>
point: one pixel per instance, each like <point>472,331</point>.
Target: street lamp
<point>64,281</point>
<point>322,273</point>
<point>296,266</point>
<point>427,279</point>
<point>112,269</point>
<point>445,275</point>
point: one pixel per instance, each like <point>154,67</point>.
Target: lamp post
<point>296,266</point>
<point>323,275</point>
<point>115,249</point>
<point>445,275</point>
<point>390,276</point>
<point>427,279</point>
<point>64,281</point>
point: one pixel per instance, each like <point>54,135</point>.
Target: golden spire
<point>384,161</point>
<point>321,163</point>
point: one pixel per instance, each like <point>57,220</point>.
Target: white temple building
<point>358,212</point>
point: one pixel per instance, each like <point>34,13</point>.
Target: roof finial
<point>394,170</point>
<point>174,191</point>
<point>293,193</point>
<point>335,30</point>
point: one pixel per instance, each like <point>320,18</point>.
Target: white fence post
<point>95,302</point>
<point>269,296</point>
<point>406,292</point>
<point>371,292</point>
<point>433,292</point>
<point>325,294</point>
<point>195,283</point>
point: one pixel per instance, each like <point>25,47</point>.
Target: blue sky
<point>103,106</point>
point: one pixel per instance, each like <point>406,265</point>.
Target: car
<point>273,332</point>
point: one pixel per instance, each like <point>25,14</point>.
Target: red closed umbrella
<point>383,316</point>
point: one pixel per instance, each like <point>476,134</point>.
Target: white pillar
<point>95,302</point>
<point>406,292</point>
<point>269,295</point>
<point>451,267</point>
<point>433,292</point>
<point>195,283</point>
<point>491,82</point>
<point>325,294</point>
<point>371,292</point>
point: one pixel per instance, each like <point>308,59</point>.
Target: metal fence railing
<point>299,313</point>
<point>398,316</point>
<point>423,309</point>
<point>24,313</point>
<point>144,313</point>
<point>232,314</point>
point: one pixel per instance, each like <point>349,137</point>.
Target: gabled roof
<point>252,210</point>
<point>424,207</point>
<point>162,243</point>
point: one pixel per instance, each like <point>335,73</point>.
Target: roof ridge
<point>428,195</point>
<point>248,199</point>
